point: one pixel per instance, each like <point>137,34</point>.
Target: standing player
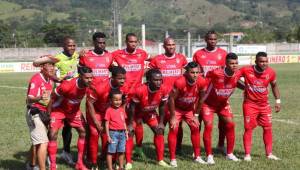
<point>146,99</point>
<point>171,65</point>
<point>97,103</point>
<point>67,69</point>
<point>98,59</point>
<point>38,95</point>
<point>133,60</point>
<point>65,105</point>
<point>222,83</point>
<point>187,90</point>
<point>256,107</point>
<point>210,58</point>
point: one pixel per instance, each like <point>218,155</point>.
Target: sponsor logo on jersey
<point>132,67</point>
<point>171,73</point>
<point>224,92</point>
<point>187,100</point>
<point>100,72</point>
<point>257,89</point>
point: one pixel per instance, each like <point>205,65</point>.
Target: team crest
<point>219,57</point>
<point>267,77</point>
<point>203,56</point>
<point>91,59</point>
<point>107,60</point>
<point>177,60</point>
<point>139,55</point>
<point>32,86</point>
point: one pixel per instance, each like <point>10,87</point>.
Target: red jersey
<point>148,101</point>
<point>188,93</point>
<point>98,63</point>
<point>170,67</point>
<point>37,86</point>
<point>210,60</point>
<point>221,86</point>
<point>99,94</point>
<point>256,84</point>
<point>116,118</point>
<point>69,96</point>
<point>133,63</point>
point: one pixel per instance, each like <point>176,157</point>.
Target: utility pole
<point>143,36</point>
<point>189,44</point>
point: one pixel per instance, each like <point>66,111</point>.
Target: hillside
<point>25,18</point>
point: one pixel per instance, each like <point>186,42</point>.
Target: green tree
<point>54,33</point>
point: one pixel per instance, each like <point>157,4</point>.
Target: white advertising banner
<point>18,67</point>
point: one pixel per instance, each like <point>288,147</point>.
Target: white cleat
<point>247,158</point>
<point>200,160</point>
<point>210,160</point>
<point>67,157</point>
<point>232,157</point>
<point>173,163</point>
<point>273,157</point>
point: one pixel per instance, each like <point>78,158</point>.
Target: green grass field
<point>15,141</point>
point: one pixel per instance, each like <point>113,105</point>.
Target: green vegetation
<point>262,21</point>
<point>14,141</point>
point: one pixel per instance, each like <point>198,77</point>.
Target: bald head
<point>69,46</point>
<point>169,46</point>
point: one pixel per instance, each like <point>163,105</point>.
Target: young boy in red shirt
<point>115,127</point>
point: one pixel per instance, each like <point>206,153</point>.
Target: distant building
<point>237,36</point>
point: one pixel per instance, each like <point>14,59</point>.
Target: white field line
<point>287,121</point>
<point>12,87</point>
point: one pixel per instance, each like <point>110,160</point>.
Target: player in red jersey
<point>222,83</point>
<point>133,60</point>
<point>146,99</point>
<point>65,105</point>
<point>98,102</point>
<point>38,95</point>
<point>171,65</point>
<point>98,59</point>
<point>187,90</point>
<point>256,107</point>
<point>209,58</point>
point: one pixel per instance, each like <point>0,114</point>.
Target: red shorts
<point>74,120</point>
<point>257,115</point>
<point>207,112</point>
<point>187,116</point>
<point>151,119</point>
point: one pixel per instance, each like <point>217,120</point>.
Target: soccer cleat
<point>139,152</point>
<point>163,164</point>
<point>81,166</point>
<point>232,157</point>
<point>247,158</point>
<point>210,160</point>
<point>28,167</point>
<point>222,149</point>
<point>128,166</point>
<point>67,157</point>
<point>273,157</point>
<point>200,160</point>
<point>173,163</point>
<point>94,167</point>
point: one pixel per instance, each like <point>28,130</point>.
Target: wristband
<point>277,101</point>
<point>197,115</point>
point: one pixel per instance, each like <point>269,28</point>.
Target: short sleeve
<point>202,83</point>
<point>165,94</point>
<point>107,114</point>
<point>91,95</point>
<point>34,88</point>
<point>61,89</point>
<point>273,76</point>
<point>195,57</point>
<point>184,61</point>
<point>152,63</point>
<point>136,97</point>
<point>82,61</point>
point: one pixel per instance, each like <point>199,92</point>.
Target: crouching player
<point>221,84</point>
<point>65,105</point>
<point>146,99</point>
<point>115,126</point>
<point>256,107</point>
<point>187,90</point>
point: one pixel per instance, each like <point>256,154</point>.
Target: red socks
<point>52,149</point>
<point>139,134</point>
<point>207,138</point>
<point>267,135</point>
<point>80,148</point>
<point>93,144</point>
<point>128,149</point>
<point>195,138</point>
<point>172,140</point>
<point>247,139</point>
<point>230,136</point>
<point>159,146</point>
